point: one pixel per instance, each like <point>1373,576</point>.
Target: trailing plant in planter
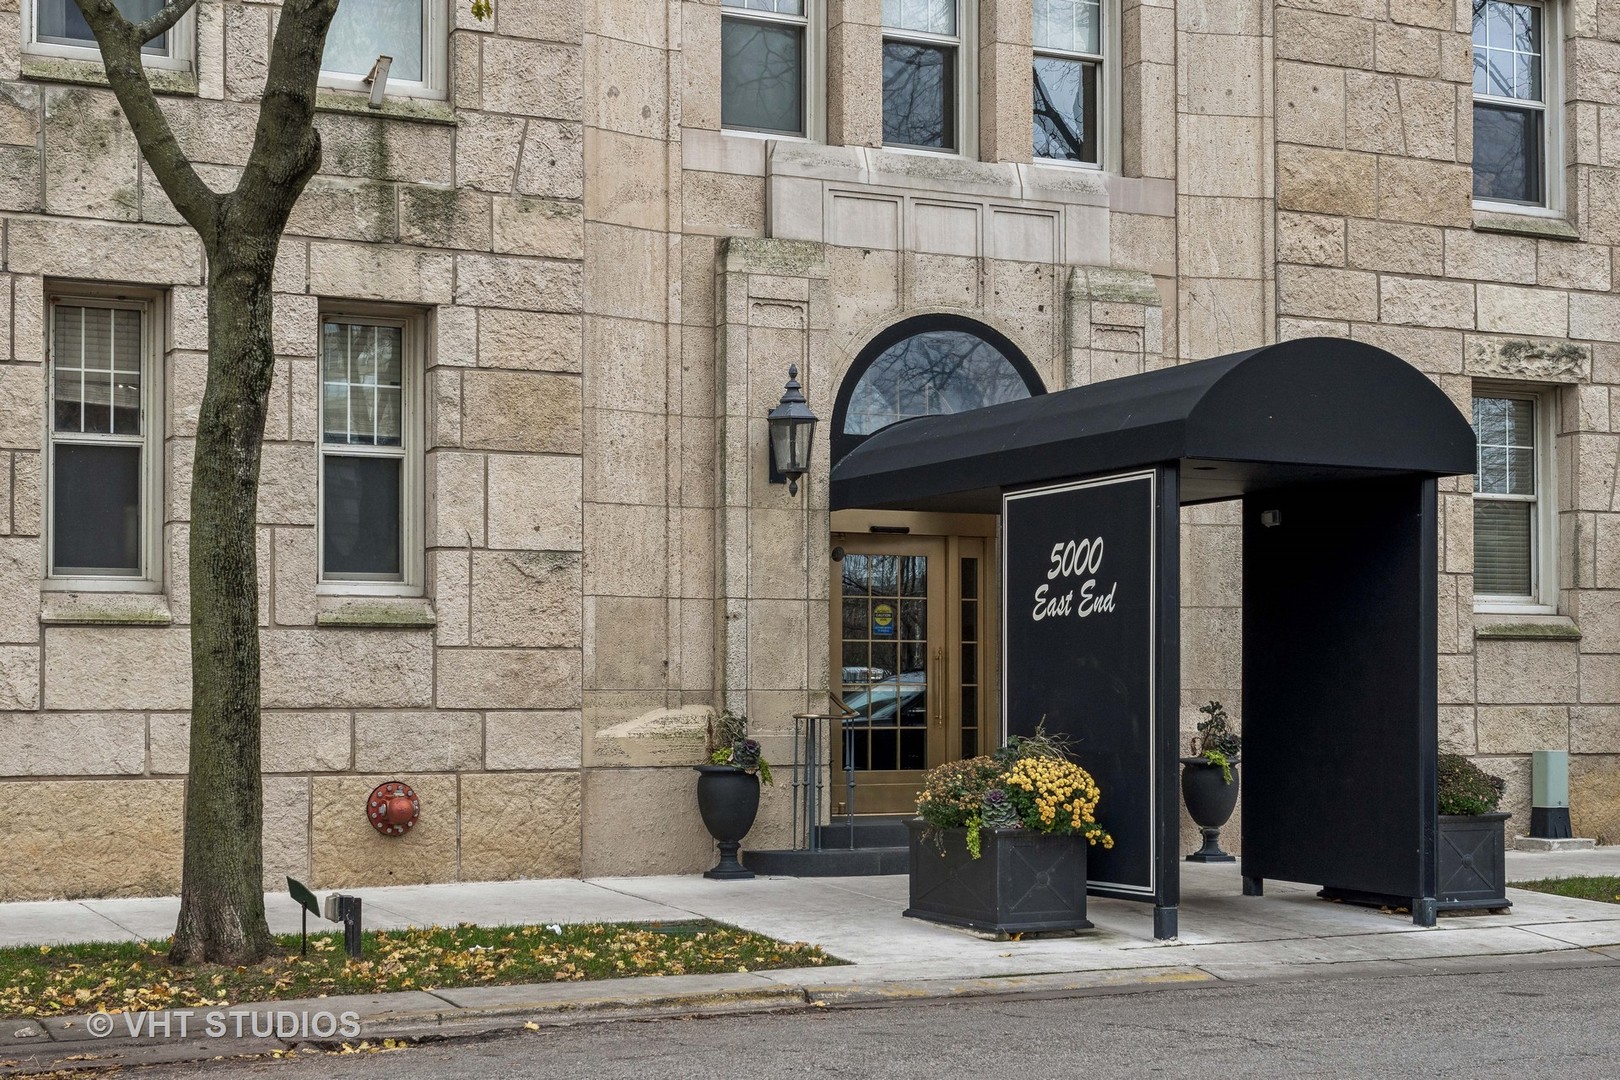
<point>1209,779</point>
<point>1465,789</point>
<point>997,843</point>
<point>1216,742</point>
<point>1472,837</point>
<point>728,789</point>
<point>1030,783</point>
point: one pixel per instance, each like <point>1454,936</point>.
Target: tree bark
<point>222,900</point>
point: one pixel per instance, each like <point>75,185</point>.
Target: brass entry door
<point>906,655</point>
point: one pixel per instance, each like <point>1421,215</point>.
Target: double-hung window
<point>764,66</point>
<point>1515,103</point>
<point>1068,80</point>
<point>411,33</point>
<point>56,28</point>
<point>103,481</point>
<point>1513,519</point>
<point>924,104</point>
<point>370,452</point>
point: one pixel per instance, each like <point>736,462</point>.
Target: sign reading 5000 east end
<point>1078,606</point>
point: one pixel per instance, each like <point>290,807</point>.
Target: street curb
<point>62,1043</point>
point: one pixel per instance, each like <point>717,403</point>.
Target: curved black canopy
<point>1311,410</point>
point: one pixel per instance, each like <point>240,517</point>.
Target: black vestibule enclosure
<point>1334,448</point>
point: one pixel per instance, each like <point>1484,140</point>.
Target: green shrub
<point>1465,788</point>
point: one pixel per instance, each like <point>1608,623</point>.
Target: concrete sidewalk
<point>1225,936</point>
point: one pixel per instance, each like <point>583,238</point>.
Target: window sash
<point>429,81</point>
<point>1051,47</point>
<point>404,530</point>
<point>781,22</point>
<point>111,450</point>
<point>950,94</point>
<point>171,51</point>
<point>1541,165</point>
<point>1511,529</point>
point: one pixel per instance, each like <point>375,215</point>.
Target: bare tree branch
<point>121,57</point>
<point>286,146</point>
<point>162,21</point>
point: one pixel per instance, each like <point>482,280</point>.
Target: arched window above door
<point>925,366</point>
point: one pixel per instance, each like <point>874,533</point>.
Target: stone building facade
<point>595,283</point>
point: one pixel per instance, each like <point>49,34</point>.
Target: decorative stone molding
<point>1114,321</point>
<point>1528,359</point>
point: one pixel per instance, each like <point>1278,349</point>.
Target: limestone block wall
<point>464,215</point>
<point>1377,240</point>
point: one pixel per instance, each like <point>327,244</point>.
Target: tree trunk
<point>221,896</point>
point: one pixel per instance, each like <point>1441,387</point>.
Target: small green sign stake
<point>306,899</point>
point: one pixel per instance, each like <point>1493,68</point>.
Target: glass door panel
<point>890,643</point>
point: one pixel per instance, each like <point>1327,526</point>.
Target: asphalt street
<point>1528,1022</point>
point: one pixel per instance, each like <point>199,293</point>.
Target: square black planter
<point>1024,882</point>
<point>1473,862</point>
<point>1472,867</point>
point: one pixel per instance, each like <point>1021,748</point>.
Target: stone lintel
<point>1102,284</point>
<point>761,255</point>
<point>1537,360</point>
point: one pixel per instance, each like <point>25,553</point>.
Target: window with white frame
<point>104,479</point>
<point>1514,548</point>
<point>370,478</point>
<point>1516,108</point>
<point>924,92</point>
<point>57,28</point>
<point>1068,80</point>
<point>765,67</point>
<point>411,33</point>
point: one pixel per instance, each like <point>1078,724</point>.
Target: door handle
<point>936,690</point>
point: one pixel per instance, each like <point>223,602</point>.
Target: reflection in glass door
<point>885,660</point>
<point>889,639</point>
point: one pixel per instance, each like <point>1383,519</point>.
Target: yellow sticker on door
<point>883,620</point>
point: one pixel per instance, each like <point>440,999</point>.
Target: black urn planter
<point>1473,862</point>
<point>728,799</point>
<point>1023,881</point>
<point>1210,801</point>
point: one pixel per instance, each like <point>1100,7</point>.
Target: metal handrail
<point>808,768</point>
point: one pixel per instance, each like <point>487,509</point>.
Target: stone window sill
<point>1502,627</point>
<point>421,110</point>
<point>60,69</point>
<point>105,609</point>
<point>1537,225</point>
<point>376,612</point>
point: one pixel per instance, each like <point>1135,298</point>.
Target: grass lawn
<point>1605,888</point>
<point>128,976</point>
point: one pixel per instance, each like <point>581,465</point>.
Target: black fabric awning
<point>1312,410</point>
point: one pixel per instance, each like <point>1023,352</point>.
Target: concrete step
<point>871,831</point>
<point>862,862</point>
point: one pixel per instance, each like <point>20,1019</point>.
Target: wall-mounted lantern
<point>793,430</point>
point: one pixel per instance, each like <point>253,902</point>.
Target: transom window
<point>1068,80</point>
<point>1512,523</point>
<point>1514,55</point>
<point>763,65</point>
<point>926,366</point>
<point>922,83</point>
<point>369,383</point>
<point>102,491</point>
<point>410,32</point>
